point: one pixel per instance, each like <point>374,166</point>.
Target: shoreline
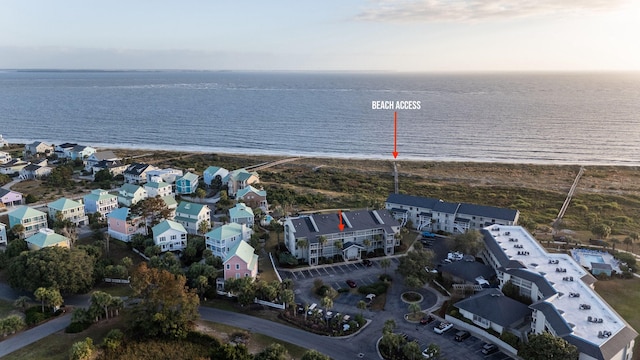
<point>334,156</point>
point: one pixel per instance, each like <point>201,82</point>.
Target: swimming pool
<point>590,258</point>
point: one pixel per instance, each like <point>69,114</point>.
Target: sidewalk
<point>30,336</point>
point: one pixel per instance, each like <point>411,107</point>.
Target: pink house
<point>10,198</point>
<point>241,262</point>
<point>122,225</point>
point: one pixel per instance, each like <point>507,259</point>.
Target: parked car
<point>443,327</point>
<point>427,319</point>
<point>367,262</point>
<point>352,284</point>
<point>428,234</point>
<point>431,352</point>
<point>461,335</point>
<point>489,349</point>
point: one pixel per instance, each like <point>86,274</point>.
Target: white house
<point>38,148</point>
<point>241,214</point>
<point>5,157</point>
<point>33,171</point>
<point>167,175</point>
<point>161,189</point>
<point>3,234</point>
<point>213,172</point>
<point>221,239</point>
<point>170,236</point>
<point>191,215</point>
<point>130,194</point>
<point>136,173</point>
<point>99,156</point>
<point>100,201</point>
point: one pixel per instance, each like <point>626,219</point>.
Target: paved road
<point>335,348</point>
<point>32,335</point>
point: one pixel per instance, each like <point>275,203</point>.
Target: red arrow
<point>395,134</point>
<point>341,225</point>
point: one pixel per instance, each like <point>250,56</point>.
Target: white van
<point>311,308</point>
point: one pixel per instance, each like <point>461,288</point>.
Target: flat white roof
<point>519,245</point>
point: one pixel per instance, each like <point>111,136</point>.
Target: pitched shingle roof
<point>314,226</point>
<point>493,305</point>
<point>167,225</point>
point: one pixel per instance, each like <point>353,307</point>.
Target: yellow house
<point>46,237</point>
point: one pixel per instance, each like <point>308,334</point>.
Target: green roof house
<point>241,262</point>
<point>45,238</point>
<point>71,210</point>
<point>32,219</point>
<point>170,236</point>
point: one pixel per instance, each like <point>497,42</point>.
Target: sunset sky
<point>363,35</point>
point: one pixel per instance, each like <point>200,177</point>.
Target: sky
<point>328,35</point>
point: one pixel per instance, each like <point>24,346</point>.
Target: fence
<point>118,281</point>
<point>275,269</point>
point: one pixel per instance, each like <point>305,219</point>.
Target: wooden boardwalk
<point>565,205</point>
<point>270,164</point>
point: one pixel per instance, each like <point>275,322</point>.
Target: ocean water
<point>553,118</point>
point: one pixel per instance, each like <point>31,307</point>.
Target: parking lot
<point>470,348</point>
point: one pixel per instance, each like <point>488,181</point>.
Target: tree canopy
<point>546,346</point>
<point>469,242</point>
<point>167,308</point>
<point>413,265</point>
<point>68,270</point>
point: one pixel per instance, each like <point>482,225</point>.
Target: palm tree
<point>41,295</point>
<point>322,240</point>
<point>362,305</point>
<point>327,303</point>
<point>414,308</point>
<point>71,233</point>
<point>116,305</point>
<point>367,244</point>
<point>385,264</point>
<point>614,242</point>
<point>302,243</point>
<point>22,302</point>
<point>338,245</point>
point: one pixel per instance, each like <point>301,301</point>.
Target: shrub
<point>385,277</point>
<point>377,288</point>
<point>113,340</point>
<point>34,316</point>
<point>76,327</point>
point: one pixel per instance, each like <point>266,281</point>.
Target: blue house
<point>187,184</point>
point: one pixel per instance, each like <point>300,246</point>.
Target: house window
<point>228,266</point>
<point>237,266</point>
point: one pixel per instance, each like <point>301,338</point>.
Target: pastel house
<point>46,238</point>
<point>131,194</point>
<point>71,210</point>
<point>100,201</point>
<point>241,262</point>
<point>122,224</point>
<point>241,214</point>
<point>191,215</point>
<point>221,239</point>
<point>10,198</point>
<point>187,184</point>
<point>239,179</point>
<point>170,236</point>
<point>31,219</point>
<point>3,234</point>
<point>161,189</point>
<point>212,172</point>
<point>253,197</point>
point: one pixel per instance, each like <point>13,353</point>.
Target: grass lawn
<point>624,297</point>
<point>6,308</point>
<point>56,346</point>
<point>256,343</point>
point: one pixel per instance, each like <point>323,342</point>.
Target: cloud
<point>477,10</point>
